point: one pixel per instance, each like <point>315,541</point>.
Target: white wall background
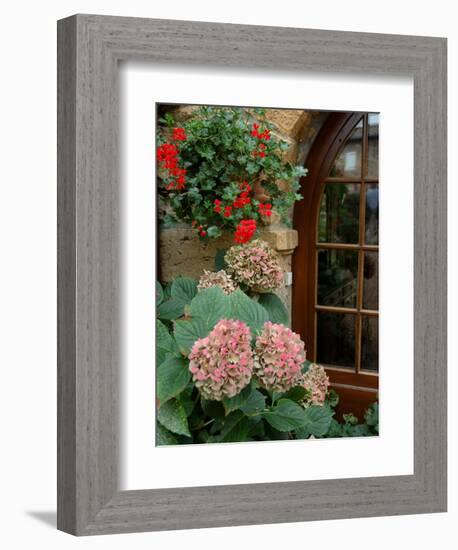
<point>28,273</point>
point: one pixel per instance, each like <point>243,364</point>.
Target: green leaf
<point>306,366</point>
<point>235,428</point>
<point>214,231</point>
<point>350,419</point>
<point>171,309</point>
<point>295,394</point>
<point>335,429</point>
<point>164,437</point>
<point>210,306</point>
<point>187,332</point>
<point>184,289</point>
<point>255,403</point>
<point>371,416</point>
<point>172,416</point>
<point>247,310</point>
<point>317,421</point>
<point>275,308</point>
<point>285,416</point>
<point>159,294</point>
<point>237,401</point>
<point>167,291</point>
<point>219,260</point>
<point>358,430</point>
<point>165,343</point>
<point>332,399</point>
<point>172,378</point>
<point>187,401</point>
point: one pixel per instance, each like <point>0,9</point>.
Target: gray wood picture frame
<point>89,49</point>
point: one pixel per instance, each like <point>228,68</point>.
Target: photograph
<point>267,292</point>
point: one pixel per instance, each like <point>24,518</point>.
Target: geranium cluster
<point>265,209</point>
<point>316,382</point>
<point>255,265</point>
<point>168,159</point>
<point>260,150</point>
<point>212,166</point>
<point>222,363</point>
<point>279,356</point>
<point>217,278</point>
<point>245,231</point>
<point>245,228</point>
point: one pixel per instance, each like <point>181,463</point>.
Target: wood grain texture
<point>90,47</point>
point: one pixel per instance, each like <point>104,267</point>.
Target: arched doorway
<point>335,267</point>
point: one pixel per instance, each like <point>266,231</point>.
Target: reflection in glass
<point>369,349</point>
<point>370,286</point>
<point>339,213</point>
<point>348,161</point>
<point>372,148</point>
<point>336,339</point>
<point>337,278</point>
<point>371,213</point>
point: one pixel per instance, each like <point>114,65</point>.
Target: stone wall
<point>180,250</point>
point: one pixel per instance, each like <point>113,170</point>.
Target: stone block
<point>289,121</point>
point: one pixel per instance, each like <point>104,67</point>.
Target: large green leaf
<point>172,378</point>
<point>210,306</point>
<point>247,310</point>
<point>275,308</point>
<point>295,394</point>
<point>164,437</point>
<point>236,402</point>
<point>188,331</point>
<point>285,416</point>
<point>165,343</point>
<point>184,289</point>
<point>317,421</point>
<point>235,428</point>
<point>255,403</point>
<point>171,309</point>
<point>159,294</point>
<point>172,416</point>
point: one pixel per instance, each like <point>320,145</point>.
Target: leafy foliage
<point>219,150</point>
<point>254,414</point>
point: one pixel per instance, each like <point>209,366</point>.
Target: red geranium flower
<point>179,134</point>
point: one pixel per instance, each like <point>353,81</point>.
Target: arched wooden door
<point>335,267</point>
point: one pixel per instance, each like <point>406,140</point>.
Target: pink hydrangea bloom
<point>279,356</point>
<point>255,265</point>
<point>316,382</point>
<point>222,363</point>
<point>217,278</point>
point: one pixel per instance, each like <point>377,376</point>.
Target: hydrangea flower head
<point>316,382</point>
<point>217,278</point>
<point>279,356</point>
<point>255,265</point>
<point>222,363</point>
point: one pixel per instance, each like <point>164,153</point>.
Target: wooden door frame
<point>358,389</point>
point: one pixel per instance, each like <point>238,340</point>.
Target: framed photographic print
<point>283,191</point>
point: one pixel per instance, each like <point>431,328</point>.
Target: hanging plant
<point>220,171</point>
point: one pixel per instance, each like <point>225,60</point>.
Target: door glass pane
<point>336,339</point>
<point>339,213</point>
<point>348,161</point>
<point>372,148</point>
<point>369,350</point>
<point>371,213</point>
<point>370,286</point>
<point>337,278</point>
